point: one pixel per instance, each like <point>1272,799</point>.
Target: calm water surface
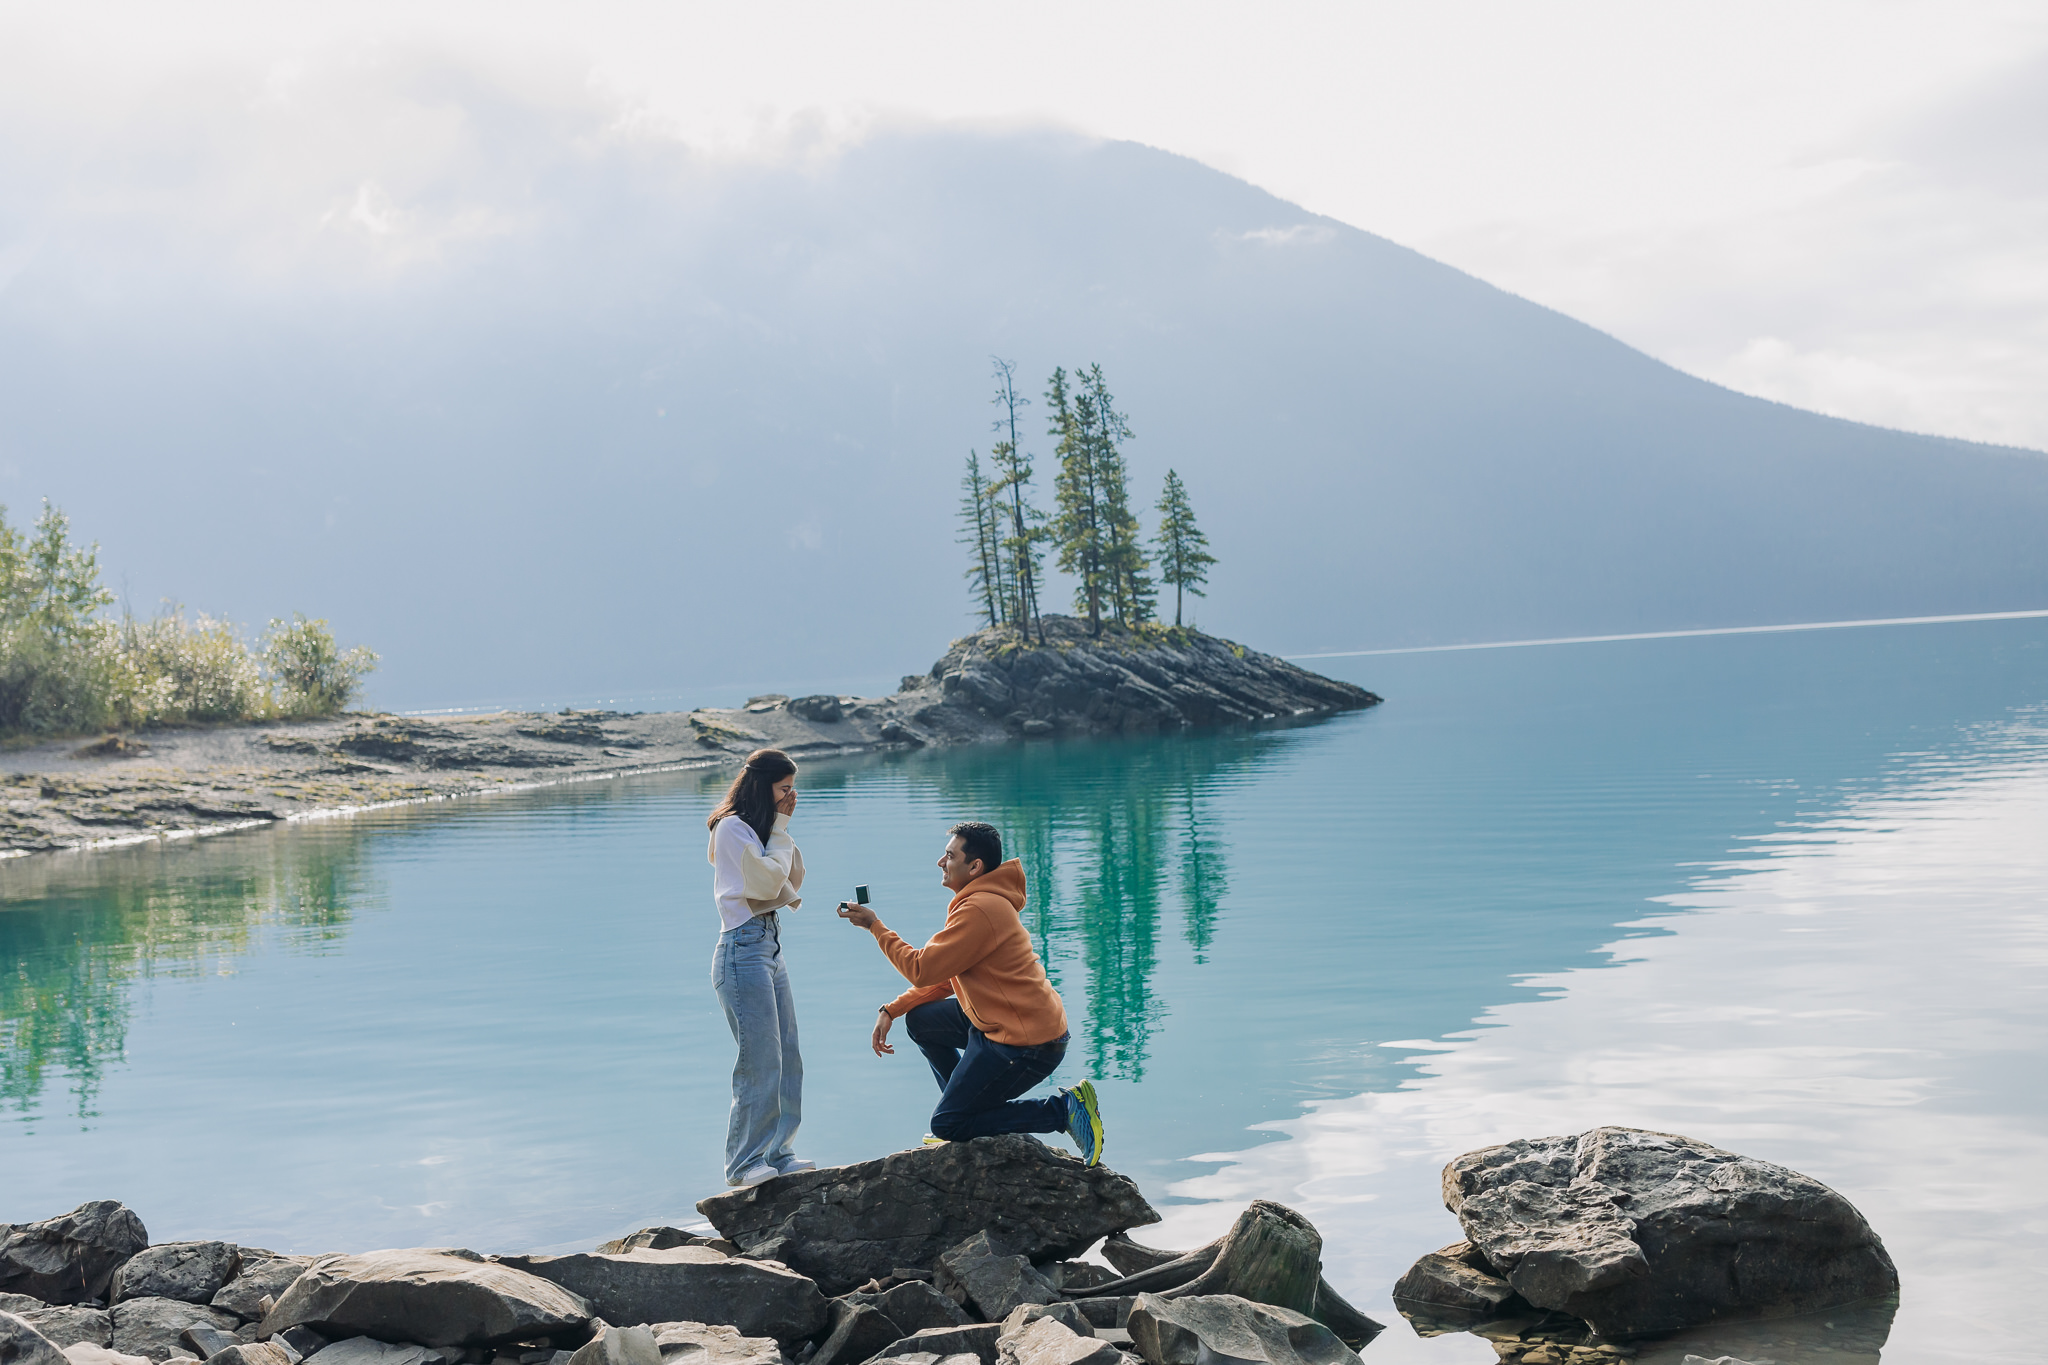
<point>1781,893</point>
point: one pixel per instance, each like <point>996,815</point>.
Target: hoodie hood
<point>1006,881</point>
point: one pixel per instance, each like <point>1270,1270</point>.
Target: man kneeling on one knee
<point>979,1006</point>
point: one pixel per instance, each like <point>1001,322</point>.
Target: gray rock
<point>824,708</point>
<point>652,1239</point>
<point>21,1344</point>
<point>1076,1277</point>
<point>154,1327</point>
<point>1024,1314</point>
<point>251,1353</point>
<point>21,1303</point>
<point>303,1340</point>
<point>1638,1232</point>
<point>72,1324</point>
<point>1182,1331</point>
<point>370,1351</point>
<point>261,1277</point>
<point>208,1341</point>
<point>1048,1341</point>
<point>1111,1311</point>
<point>611,1345</point>
<point>433,1297</point>
<point>688,1284</point>
<point>990,1281</point>
<point>70,1258</point>
<point>915,1305</point>
<point>698,1343</point>
<point>858,1332</point>
<point>90,1353</point>
<point>191,1272</point>
<point>845,1225</point>
<point>977,1340</point>
<point>1444,1285</point>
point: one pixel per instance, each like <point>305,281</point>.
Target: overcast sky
<point>1840,205</point>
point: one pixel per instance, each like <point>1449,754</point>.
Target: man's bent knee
<point>950,1125</point>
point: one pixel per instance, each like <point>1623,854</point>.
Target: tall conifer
<point>1184,557</point>
<point>1077,524</point>
<point>1130,585</point>
<point>1018,549</point>
<point>981,532</point>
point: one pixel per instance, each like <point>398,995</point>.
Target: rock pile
<point>950,1255</point>
<point>1634,1233</point>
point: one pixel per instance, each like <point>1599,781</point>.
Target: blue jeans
<point>980,1080</point>
<point>768,1079</point>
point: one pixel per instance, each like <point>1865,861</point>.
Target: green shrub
<point>65,668</point>
<point>310,674</point>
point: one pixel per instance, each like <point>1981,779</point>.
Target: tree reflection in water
<point>84,930</point>
<point>1115,836</point>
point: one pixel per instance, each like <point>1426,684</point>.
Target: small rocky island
<point>997,685</point>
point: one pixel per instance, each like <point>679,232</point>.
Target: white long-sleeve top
<point>748,878</point>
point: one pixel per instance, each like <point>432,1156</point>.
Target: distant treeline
<point>67,667</point>
<point>1093,532</point>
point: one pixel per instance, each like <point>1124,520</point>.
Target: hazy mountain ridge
<point>664,401</point>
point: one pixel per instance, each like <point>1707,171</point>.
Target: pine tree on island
<point>1184,557</point>
<point>1018,550</point>
<point>981,529</point>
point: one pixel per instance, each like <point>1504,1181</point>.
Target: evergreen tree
<point>1130,585</point>
<point>1018,549</point>
<point>1184,557</point>
<point>1078,524</point>
<point>982,533</point>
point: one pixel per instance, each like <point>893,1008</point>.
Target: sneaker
<point>1084,1121</point>
<point>790,1165</point>
<point>933,1140</point>
<point>753,1176</point>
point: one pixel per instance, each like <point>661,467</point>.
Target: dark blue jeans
<point>980,1080</point>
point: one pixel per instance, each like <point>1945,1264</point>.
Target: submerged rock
<point>435,1298</point>
<point>687,1284</point>
<point>1446,1285</point>
<point>70,1258</point>
<point>1189,1330</point>
<point>846,1225</point>
<point>192,1272</point>
<point>1638,1232</point>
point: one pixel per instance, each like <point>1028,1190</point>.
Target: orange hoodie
<point>983,955</point>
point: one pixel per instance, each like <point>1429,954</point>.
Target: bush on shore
<point>67,667</point>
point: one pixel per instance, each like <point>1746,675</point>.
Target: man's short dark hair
<point>978,840</point>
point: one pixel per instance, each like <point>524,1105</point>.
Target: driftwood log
<point>1271,1255</point>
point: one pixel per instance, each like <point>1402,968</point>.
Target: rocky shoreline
<point>1594,1249</point>
<point>991,687</point>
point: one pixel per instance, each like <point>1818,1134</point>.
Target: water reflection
<point>1116,839</point>
<point>84,931</point>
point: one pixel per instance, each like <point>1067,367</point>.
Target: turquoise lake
<point>1787,894</point>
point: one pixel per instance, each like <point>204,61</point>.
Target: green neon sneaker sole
<point>1084,1121</point>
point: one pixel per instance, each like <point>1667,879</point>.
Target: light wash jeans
<point>768,1079</point>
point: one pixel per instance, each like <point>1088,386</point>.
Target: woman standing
<point>756,871</point>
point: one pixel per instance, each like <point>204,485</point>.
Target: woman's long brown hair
<point>752,794</point>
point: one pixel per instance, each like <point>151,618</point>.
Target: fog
<point>550,409</point>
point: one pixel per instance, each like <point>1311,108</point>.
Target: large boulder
<point>368,1351</point>
<point>263,1275</point>
<point>153,1327</point>
<point>88,1353</point>
<point>1638,1232</point>
<point>1183,1331</point>
<point>192,1272</point>
<point>687,1284</point>
<point>21,1303</point>
<point>859,1330</point>
<point>977,1339</point>
<point>981,1274</point>
<point>70,1258</point>
<point>431,1297</point>
<point>845,1225</point>
<point>72,1324</point>
<point>21,1344</point>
